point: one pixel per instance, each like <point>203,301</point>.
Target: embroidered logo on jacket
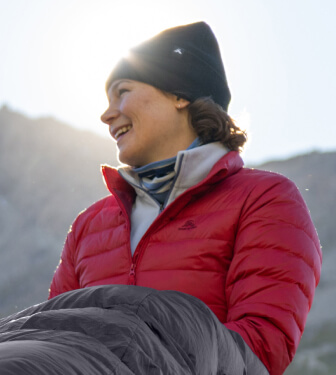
<point>189,224</point>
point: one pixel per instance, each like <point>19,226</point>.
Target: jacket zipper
<point>131,276</point>
<point>132,273</point>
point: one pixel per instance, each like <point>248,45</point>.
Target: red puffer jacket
<point>242,241</point>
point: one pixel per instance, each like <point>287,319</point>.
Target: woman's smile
<point>119,132</point>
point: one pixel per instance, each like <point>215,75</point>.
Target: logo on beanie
<point>178,52</point>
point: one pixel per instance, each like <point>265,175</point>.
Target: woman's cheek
<point>126,104</point>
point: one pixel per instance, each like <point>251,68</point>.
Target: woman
<point>184,214</point>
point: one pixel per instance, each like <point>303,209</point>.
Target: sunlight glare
<point>82,46</point>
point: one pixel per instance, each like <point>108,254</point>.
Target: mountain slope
<point>49,173</point>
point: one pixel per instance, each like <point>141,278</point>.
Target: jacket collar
<point>229,164</point>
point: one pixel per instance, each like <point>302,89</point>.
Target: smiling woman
<point>252,247</point>
<point>183,214</point>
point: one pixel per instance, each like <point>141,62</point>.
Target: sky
<point>279,57</point>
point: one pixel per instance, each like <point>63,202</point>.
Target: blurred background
<point>279,58</point>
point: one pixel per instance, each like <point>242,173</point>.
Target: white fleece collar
<point>191,167</point>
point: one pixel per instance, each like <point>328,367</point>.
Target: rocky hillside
<point>50,172</point>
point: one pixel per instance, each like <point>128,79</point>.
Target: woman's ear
<point>181,103</point>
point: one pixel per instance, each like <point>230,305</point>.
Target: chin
<point>136,159</point>
<point>127,159</point>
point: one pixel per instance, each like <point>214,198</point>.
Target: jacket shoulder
<point>275,197</point>
<point>259,175</point>
<point>264,185</point>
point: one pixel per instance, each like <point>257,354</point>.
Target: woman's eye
<point>122,91</point>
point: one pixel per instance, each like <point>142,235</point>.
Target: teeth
<point>122,130</point>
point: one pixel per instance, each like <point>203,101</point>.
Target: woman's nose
<point>109,115</point>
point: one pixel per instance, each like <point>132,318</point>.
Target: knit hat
<point>183,60</point>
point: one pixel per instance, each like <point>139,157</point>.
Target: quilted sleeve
<point>65,278</point>
<point>274,272</point>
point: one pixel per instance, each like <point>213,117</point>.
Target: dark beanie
<point>183,60</point>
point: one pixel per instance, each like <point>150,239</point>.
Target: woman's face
<point>147,124</point>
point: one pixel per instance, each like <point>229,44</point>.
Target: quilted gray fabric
<point>119,329</point>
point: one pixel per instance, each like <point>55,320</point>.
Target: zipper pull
<point>131,278</point>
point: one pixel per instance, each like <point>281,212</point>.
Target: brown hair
<point>213,124</point>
